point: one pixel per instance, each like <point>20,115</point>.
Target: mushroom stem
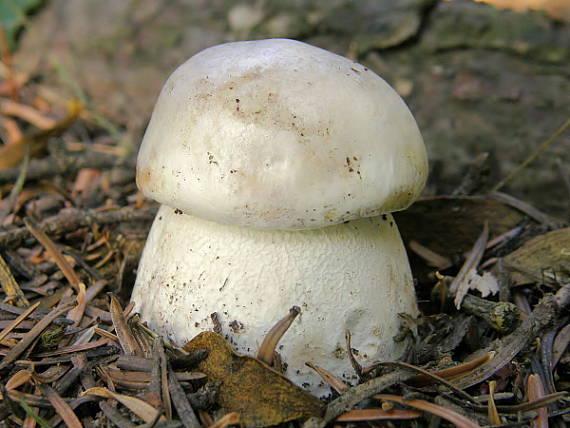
<point>351,276</point>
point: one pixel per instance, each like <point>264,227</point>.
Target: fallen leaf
<point>61,407</point>
<point>434,222</point>
<point>229,419</point>
<point>55,253</point>
<point>461,284</point>
<point>18,379</point>
<point>139,407</point>
<point>18,320</point>
<point>258,393</point>
<point>544,259</point>
<point>27,113</point>
<point>492,413</point>
<point>267,349</point>
<point>331,380</point>
<point>455,372</point>
<point>535,391</point>
<point>10,286</point>
<point>486,284</point>
<point>11,155</point>
<point>181,403</point>
<point>30,336</point>
<point>122,329</point>
<point>434,409</point>
<point>560,344</point>
<point>362,415</point>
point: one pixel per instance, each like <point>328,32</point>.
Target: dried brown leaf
<point>74,348</point>
<point>55,253</point>
<point>12,130</point>
<point>258,393</point>
<point>115,416</point>
<point>447,414</point>
<point>543,259</point>
<point>273,336</point>
<point>426,374</point>
<point>124,334</point>
<point>52,374</point>
<point>13,324</point>
<point>461,284</point>
<point>15,352</point>
<point>105,333</point>
<point>18,379</point>
<point>560,344</point>
<point>534,404</point>
<point>61,407</point>
<point>10,286</point>
<point>432,258</point>
<point>139,407</point>
<point>330,379</point>
<point>456,372</point>
<point>166,403</point>
<point>11,155</point>
<point>31,399</point>
<point>76,314</point>
<point>535,391</point>
<point>27,113</point>
<point>229,419</point>
<point>181,403</point>
<point>362,415</point>
<point>492,413</point>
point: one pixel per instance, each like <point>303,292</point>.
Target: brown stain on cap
<point>143,179</point>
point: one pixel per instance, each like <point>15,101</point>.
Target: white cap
<point>279,134</point>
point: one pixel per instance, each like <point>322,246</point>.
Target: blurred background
<point>480,77</point>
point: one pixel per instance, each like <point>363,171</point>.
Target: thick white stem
<point>353,276</point>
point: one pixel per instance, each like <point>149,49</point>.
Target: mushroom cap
<point>279,134</point>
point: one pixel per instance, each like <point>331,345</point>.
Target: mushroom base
<point>353,276</point>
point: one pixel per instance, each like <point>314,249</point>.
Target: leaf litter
<point>490,348</point>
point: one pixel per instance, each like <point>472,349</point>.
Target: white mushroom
<point>277,164</point>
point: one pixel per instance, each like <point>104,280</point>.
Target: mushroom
<point>277,165</point>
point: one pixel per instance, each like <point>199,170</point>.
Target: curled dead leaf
<point>545,259</point>
<point>11,155</point>
<point>258,393</point>
<point>139,407</point>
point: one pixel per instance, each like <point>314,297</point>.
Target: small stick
<point>74,219</point>
<point>355,395</point>
<point>181,403</point>
<point>503,317</point>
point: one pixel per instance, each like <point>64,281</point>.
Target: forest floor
<point>492,271</point>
